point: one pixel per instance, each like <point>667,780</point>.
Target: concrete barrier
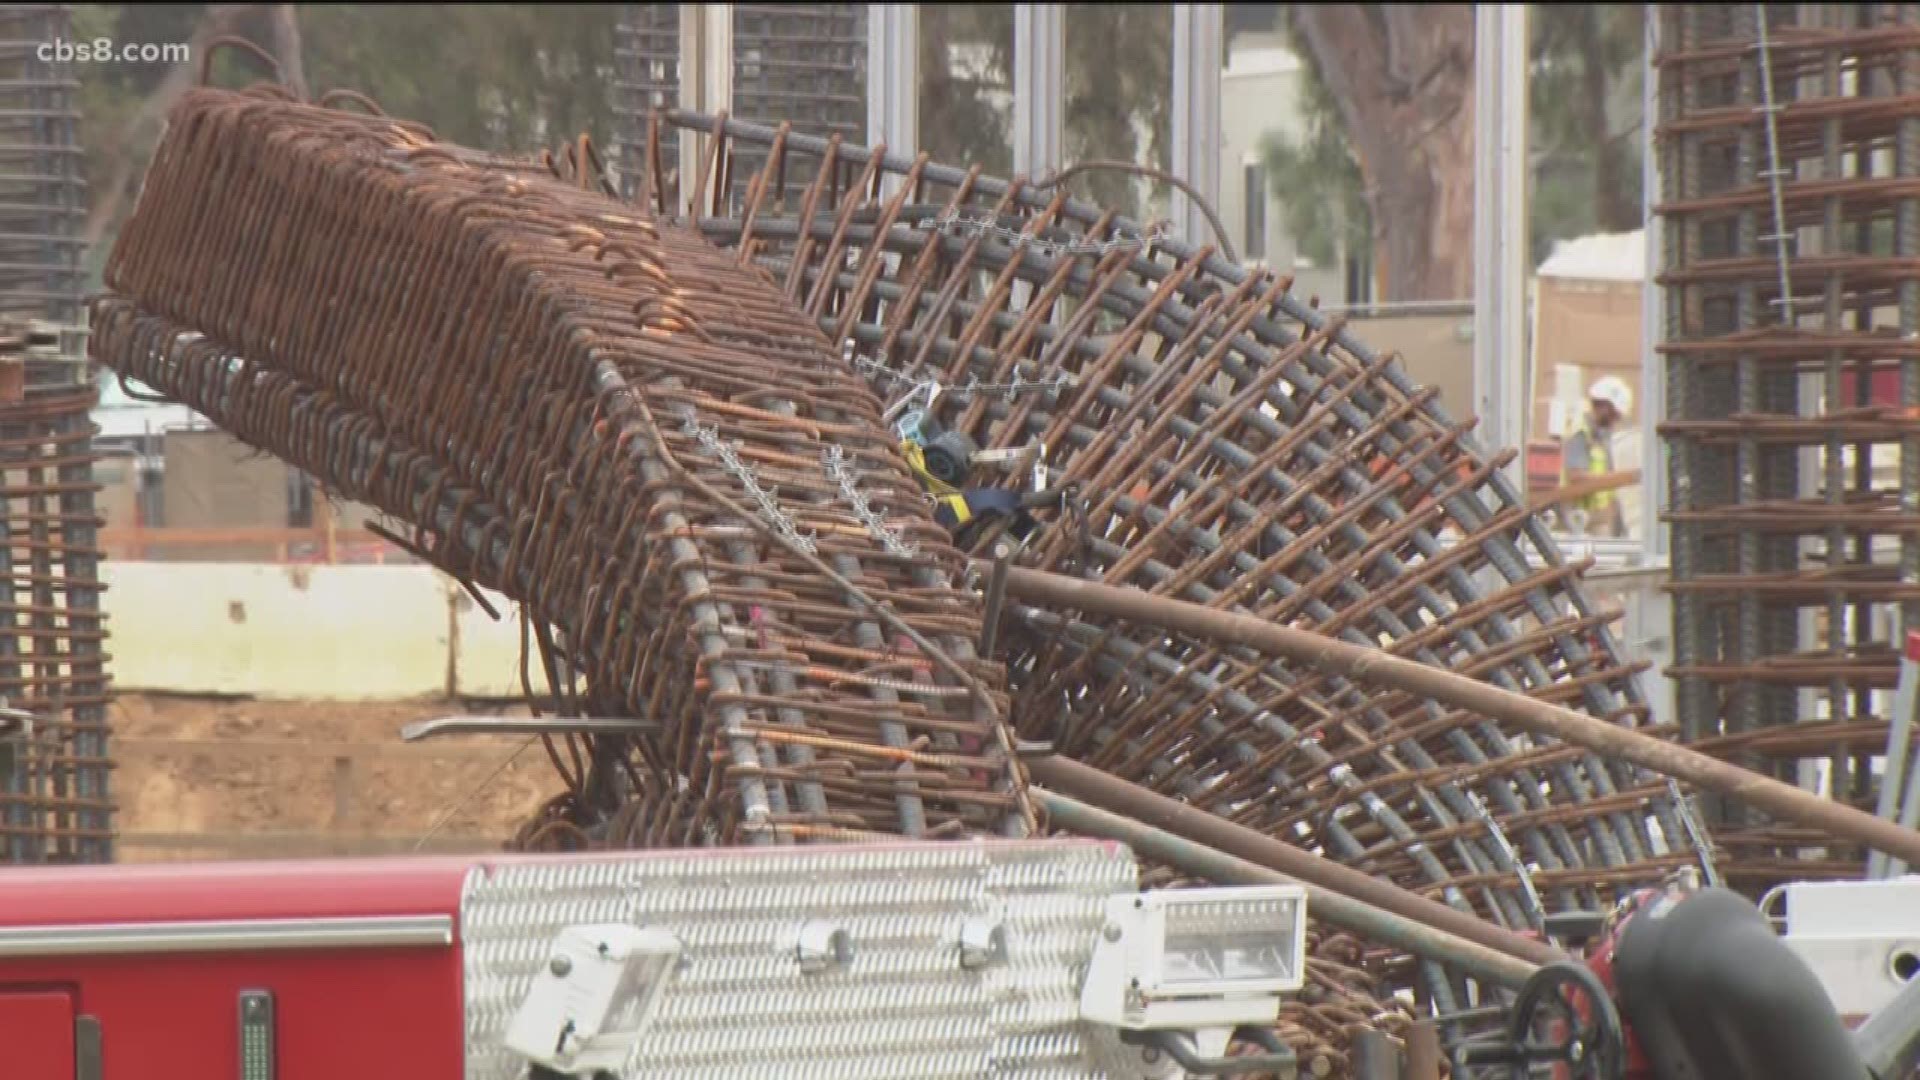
<point>394,633</point>
<point>315,633</point>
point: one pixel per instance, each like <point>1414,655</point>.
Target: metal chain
<point>1536,909</point>
<point>954,222</point>
<point>1770,110</point>
<point>973,386</point>
<point>710,440</point>
<point>841,472</point>
<point>1697,834</point>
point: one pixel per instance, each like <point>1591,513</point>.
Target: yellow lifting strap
<point>956,504</point>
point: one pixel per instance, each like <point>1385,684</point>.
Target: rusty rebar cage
<point>668,373</point>
<point>1232,447</point>
<point>655,411</point>
<point>42,190</point>
<point>51,633</point>
<point>1789,156</point>
<point>57,807</point>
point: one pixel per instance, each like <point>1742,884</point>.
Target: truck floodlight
<point>1197,959</point>
<point>592,1002</point>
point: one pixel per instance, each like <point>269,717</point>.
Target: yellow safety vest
<point>1599,463</point>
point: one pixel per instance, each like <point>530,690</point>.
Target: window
<point>1254,246</point>
<point>1359,267</point>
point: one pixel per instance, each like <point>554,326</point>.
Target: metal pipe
<point>1039,87</point>
<point>525,725</point>
<point>1889,1041</point>
<point>1500,374</point>
<point>1216,849</point>
<point>1536,717</point>
<point>996,601</point>
<point>1198,32</point>
<point>1376,1056</point>
<point>1423,1051</point>
<point>1899,737</point>
<point>1908,821</point>
<point>893,66</point>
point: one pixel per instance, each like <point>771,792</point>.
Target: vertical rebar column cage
<point>1788,146</point>
<point>803,64</point>
<point>647,65</point>
<point>55,807</point>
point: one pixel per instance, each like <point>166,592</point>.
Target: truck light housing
<point>1197,958</point>
<point>590,1007</point>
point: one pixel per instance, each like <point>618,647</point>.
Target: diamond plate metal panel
<point>741,1007</point>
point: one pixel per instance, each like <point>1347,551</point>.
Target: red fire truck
<point>960,959</point>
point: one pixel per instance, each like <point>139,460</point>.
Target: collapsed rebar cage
<point>1228,445</point>
<point>1788,152</point>
<point>56,806</point>
<point>1232,447</point>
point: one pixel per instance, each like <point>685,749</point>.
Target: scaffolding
<point>54,802</point>
<point>1788,148</point>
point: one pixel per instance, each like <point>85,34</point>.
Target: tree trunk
<point>1402,77</point>
<point>126,144</point>
<point>286,48</point>
<point>1615,209</point>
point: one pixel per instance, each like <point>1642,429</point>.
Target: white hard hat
<point>1614,392</point>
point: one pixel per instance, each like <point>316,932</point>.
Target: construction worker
<point>1588,452</point>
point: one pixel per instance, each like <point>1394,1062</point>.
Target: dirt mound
<point>204,778</point>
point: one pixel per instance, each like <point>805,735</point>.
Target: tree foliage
<point>1378,82</point>
<point>1584,123</point>
<point>1119,101</point>
<point>506,77</point>
<point>1118,81</point>
<point>966,85</point>
<point>1317,182</point>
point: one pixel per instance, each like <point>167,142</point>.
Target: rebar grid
<point>647,66</point>
<point>56,807</point>
<point>1235,448</point>
<point>576,405</point>
<point>42,193</point>
<point>803,64</point>
<point>1789,153</point>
